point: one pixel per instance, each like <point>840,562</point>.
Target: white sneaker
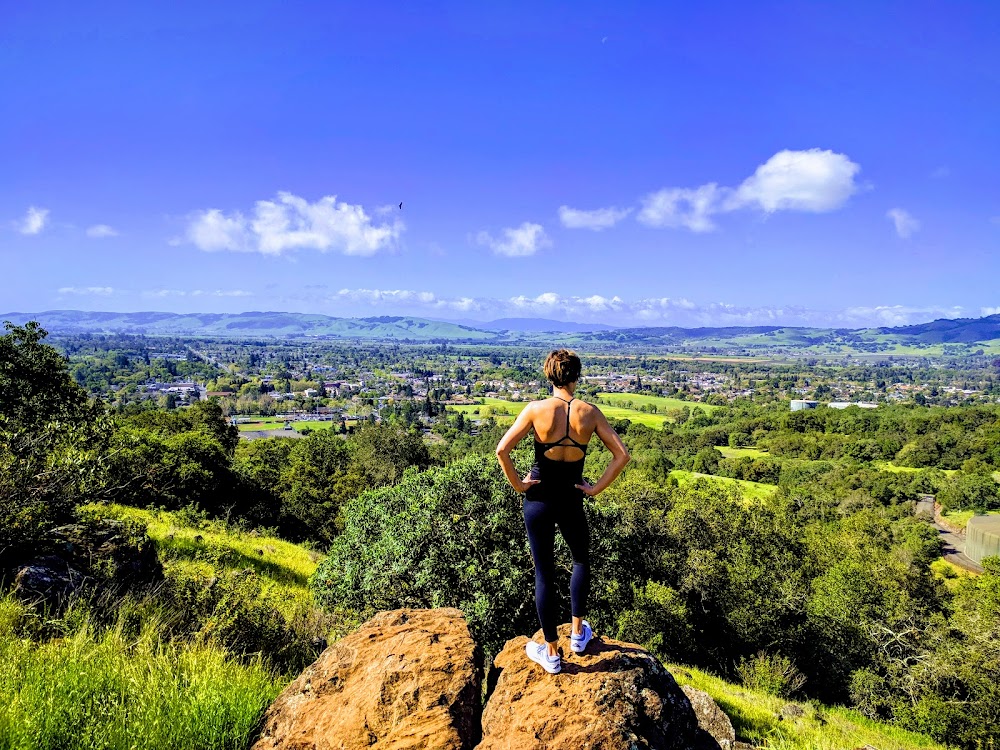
<point>577,643</point>
<point>539,652</point>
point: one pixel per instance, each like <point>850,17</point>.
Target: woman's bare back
<point>548,420</point>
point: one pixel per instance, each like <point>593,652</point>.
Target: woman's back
<point>562,428</point>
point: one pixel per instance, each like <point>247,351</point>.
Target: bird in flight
<point>401,205</point>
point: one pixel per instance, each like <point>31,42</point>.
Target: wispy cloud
<point>101,230</point>
<point>616,310</point>
<point>165,293</point>
<point>516,242</point>
<point>691,208</point>
<point>984,311</point>
<point>289,223</point>
<point>34,220</point>
<point>815,181</point>
<point>595,219</point>
<point>93,291</point>
<point>904,222</point>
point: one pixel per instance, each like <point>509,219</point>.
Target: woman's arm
<point>513,436</point>
<point>619,454</point>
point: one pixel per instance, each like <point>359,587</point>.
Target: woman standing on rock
<point>553,495</point>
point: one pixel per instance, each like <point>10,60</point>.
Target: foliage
<point>35,385</point>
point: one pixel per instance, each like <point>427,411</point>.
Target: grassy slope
<point>750,490</point>
<point>755,718</point>
<point>284,567</point>
<point>203,700</point>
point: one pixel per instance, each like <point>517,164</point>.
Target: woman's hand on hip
<point>527,482</point>
<point>587,488</point>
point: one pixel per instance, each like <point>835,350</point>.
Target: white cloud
<point>682,207</point>
<point>595,220</point>
<point>815,181</point>
<point>288,223</point>
<point>34,221</point>
<point>516,242</point>
<point>984,311</point>
<point>405,298</point>
<point>163,293</point>
<point>101,230</point>
<point>99,291</point>
<point>904,222</point>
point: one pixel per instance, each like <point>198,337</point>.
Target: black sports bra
<point>541,448</point>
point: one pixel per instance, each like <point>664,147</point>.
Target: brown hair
<point>562,367</point>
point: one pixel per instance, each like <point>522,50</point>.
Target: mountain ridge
<point>411,328</point>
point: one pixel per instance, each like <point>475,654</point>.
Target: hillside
<point>195,553</point>
<point>268,324</point>
<point>925,338</point>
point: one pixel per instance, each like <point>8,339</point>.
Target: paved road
<point>952,544</point>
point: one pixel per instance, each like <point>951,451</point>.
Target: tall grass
<point>118,688</point>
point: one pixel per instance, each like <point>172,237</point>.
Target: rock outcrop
<point>97,554</point>
<point>616,696</point>
<point>407,679</point>
<point>712,720</point>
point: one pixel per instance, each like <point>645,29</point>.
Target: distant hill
<point>251,324</point>
<point>538,331</point>
<point>944,331</point>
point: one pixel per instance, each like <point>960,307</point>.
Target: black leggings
<point>540,519</point>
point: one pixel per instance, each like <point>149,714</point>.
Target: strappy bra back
<point>566,441</point>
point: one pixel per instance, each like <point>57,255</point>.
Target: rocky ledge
<point>410,679</point>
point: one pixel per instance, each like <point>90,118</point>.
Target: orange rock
<point>616,696</point>
<point>407,679</point>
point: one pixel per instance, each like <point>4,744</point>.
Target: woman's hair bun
<point>562,367</point>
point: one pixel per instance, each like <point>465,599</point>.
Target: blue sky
<point>653,163</point>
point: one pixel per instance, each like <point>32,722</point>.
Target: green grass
<point>114,689</point>
<point>755,717</point>
<point>662,403</point>
<point>284,567</point>
<point>750,490</point>
<point>950,573</point>
<point>270,423</point>
<point>889,466</point>
<point>959,518</point>
<point>742,452</point>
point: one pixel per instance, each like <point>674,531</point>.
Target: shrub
<point>771,673</point>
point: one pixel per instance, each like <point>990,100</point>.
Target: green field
<point>750,490</point>
<point>741,452</point>
<point>662,403</point>
<point>889,466</point>
<point>272,423</point>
